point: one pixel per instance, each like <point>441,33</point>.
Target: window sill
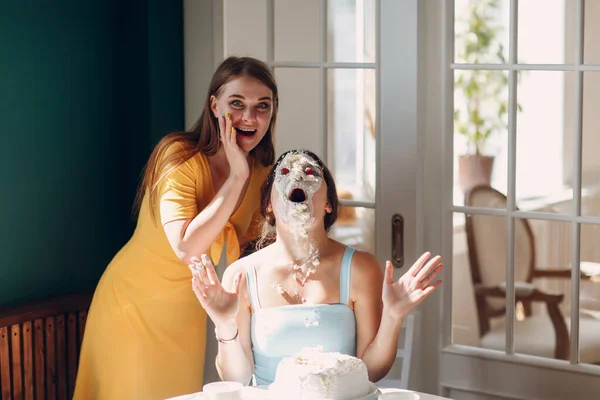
<point>522,359</point>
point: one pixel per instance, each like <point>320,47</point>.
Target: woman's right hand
<point>237,159</point>
<point>220,304</point>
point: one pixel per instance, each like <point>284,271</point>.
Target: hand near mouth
<point>238,162</point>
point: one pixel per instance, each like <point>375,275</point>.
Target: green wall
<point>86,89</point>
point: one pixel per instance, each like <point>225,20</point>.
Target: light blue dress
<point>281,331</point>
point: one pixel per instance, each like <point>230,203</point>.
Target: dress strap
<point>252,284</point>
<point>345,275</point>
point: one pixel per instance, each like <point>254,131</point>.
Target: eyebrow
<point>243,98</point>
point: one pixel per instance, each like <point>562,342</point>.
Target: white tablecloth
<point>422,396</point>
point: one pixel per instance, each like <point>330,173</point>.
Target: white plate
<point>262,393</point>
<point>373,394</point>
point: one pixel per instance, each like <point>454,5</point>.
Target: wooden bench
<point>39,347</point>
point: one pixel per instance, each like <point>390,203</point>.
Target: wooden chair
<point>541,335</point>
<point>39,347</point>
<point>403,356</point>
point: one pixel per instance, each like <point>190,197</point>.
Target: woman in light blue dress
<point>306,289</point>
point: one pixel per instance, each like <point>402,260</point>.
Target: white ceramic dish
<point>399,394</point>
<point>262,393</point>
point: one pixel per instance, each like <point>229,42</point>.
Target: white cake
<point>314,374</point>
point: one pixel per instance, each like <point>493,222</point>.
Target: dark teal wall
<point>86,89</point>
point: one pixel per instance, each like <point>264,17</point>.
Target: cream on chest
<point>277,286</point>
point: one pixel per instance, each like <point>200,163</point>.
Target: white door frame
<point>470,372</point>
<point>400,167</point>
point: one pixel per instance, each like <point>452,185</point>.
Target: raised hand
<point>237,159</point>
<point>220,305</point>
<point>401,297</point>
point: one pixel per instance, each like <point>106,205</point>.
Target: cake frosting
<point>315,374</point>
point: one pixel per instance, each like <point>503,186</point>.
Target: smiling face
<point>250,106</point>
<point>299,194</point>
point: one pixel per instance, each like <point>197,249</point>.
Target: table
<point>422,396</point>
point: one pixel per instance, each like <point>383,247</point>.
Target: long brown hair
<point>204,135</point>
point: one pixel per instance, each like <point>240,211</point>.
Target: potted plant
<point>482,104</point>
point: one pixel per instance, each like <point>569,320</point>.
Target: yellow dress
<point>146,331</point>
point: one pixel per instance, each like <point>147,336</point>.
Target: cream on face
<point>297,179</point>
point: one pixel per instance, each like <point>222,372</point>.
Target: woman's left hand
<point>401,297</point>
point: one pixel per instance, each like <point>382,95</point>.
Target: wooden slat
<point>28,360</point>
<point>71,352</point>
<point>38,358</point>
<point>17,367</point>
<point>81,326</point>
<point>61,358</point>
<point>50,360</point>
<point>39,352</point>
<point>5,364</point>
<point>11,314</point>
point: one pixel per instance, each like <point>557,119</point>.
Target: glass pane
<point>296,30</point>
<point>299,108</point>
<point>481,31</point>
<point>541,247</point>
<point>245,28</point>
<point>589,295</point>
<point>556,27</point>
<point>590,162</point>
<point>355,227</point>
<point>480,126</point>
<point>351,130</point>
<point>351,30</point>
<point>591,46</point>
<point>478,261</point>
<point>544,117</point>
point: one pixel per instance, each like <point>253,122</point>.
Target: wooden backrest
<point>486,240</point>
<point>39,347</point>
<point>486,244</point>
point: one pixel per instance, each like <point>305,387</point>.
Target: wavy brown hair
<point>204,135</point>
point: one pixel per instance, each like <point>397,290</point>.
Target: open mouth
<point>297,195</point>
<point>245,132</point>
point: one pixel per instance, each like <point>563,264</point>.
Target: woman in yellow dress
<point>145,334</point>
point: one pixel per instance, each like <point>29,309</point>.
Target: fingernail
<point>232,129</point>
<point>205,259</point>
<point>227,114</point>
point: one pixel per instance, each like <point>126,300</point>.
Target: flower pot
<point>474,170</point>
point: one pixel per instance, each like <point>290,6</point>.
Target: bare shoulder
<point>232,270</point>
<point>365,263</point>
<point>366,271</point>
<point>257,259</point>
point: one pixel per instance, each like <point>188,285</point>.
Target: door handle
<point>397,240</point>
